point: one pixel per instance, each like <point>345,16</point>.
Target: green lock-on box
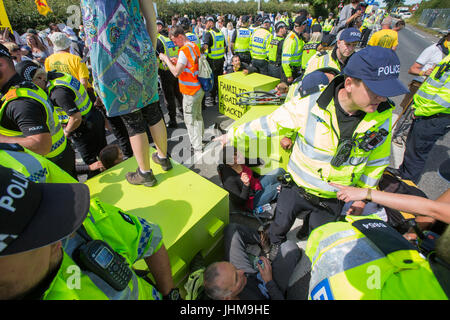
<point>191,211</point>
<point>267,149</point>
<point>234,83</point>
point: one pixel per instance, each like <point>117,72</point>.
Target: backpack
<point>389,182</point>
<point>205,74</point>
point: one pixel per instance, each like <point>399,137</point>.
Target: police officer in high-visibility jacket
<point>28,118</point>
<point>169,83</point>
<point>431,105</point>
<point>328,24</point>
<point>292,50</point>
<point>83,252</point>
<point>339,56</point>
<point>363,258</point>
<point>214,46</point>
<point>343,136</point>
<point>83,124</point>
<point>259,45</point>
<point>276,51</point>
<point>240,41</point>
<point>192,37</point>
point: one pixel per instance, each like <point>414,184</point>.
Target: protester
<point>386,37</point>
<point>38,50</point>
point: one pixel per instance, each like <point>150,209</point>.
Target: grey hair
<point>210,283</point>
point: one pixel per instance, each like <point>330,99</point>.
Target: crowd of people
<point>62,90</point>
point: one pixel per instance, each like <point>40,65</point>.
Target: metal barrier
<point>437,19</point>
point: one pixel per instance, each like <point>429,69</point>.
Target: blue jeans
<point>269,192</point>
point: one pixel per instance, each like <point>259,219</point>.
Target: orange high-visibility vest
<point>188,79</point>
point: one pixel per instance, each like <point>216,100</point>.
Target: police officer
<point>367,27</point>
<point>276,50</point>
<point>169,83</point>
<point>431,106</point>
<point>259,45</point>
<point>292,50</point>
<point>214,45</point>
<point>240,41</point>
<point>339,56</point>
<point>328,24</point>
<point>187,27</point>
<point>342,135</point>
<point>83,124</point>
<point>382,266</point>
<point>27,117</point>
<point>37,254</point>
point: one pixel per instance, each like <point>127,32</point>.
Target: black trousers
<point>172,92</point>
<point>275,70</point>
<point>89,138</point>
<point>291,203</point>
<point>217,69</point>
<point>261,65</point>
<point>421,138</point>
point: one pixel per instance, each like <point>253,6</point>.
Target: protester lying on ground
<point>250,275</point>
<point>246,190</point>
<point>238,65</point>
<point>110,156</point>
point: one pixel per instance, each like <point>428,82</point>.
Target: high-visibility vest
<point>192,37</point>
<point>328,25</point>
<point>273,49</point>
<point>82,101</point>
<point>59,140</point>
<point>127,235</point>
<point>433,96</point>
<point>243,38</point>
<point>33,166</point>
<point>292,53</point>
<point>188,79</point>
<point>321,60</point>
<point>252,28</point>
<point>364,258</point>
<point>217,51</point>
<point>318,140</point>
<point>309,50</point>
<point>259,43</point>
<point>170,50</point>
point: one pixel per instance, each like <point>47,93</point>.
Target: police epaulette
<point>386,105</point>
<point>11,147</point>
<point>27,85</point>
<point>322,53</point>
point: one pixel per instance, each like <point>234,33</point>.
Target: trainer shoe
<point>164,163</point>
<point>137,178</point>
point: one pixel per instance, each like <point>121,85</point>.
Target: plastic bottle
<point>260,209</point>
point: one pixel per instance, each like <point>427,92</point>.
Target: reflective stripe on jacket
<point>260,44</point>
<point>292,53</point>
<point>82,101</point>
<point>188,79</point>
<point>59,140</point>
<point>243,38</point>
<point>433,96</point>
<point>217,51</point>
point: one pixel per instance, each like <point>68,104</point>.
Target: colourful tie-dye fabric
<point>123,60</point>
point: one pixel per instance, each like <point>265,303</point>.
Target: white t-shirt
<point>432,55</point>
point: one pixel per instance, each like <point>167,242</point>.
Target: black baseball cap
<point>27,69</point>
<point>4,52</point>
<point>34,215</point>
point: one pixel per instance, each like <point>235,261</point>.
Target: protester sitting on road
<point>237,65</point>
<point>247,191</point>
<point>43,242</point>
<point>251,276</point>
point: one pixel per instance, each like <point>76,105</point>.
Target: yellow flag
<point>4,21</point>
<point>43,7</point>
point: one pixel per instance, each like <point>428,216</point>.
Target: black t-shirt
<point>347,123</point>
<point>62,97</point>
<point>24,114</point>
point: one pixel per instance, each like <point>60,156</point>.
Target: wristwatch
<point>174,294</point>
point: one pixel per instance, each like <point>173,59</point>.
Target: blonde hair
<point>316,37</point>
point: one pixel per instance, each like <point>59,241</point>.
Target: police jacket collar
<point>15,80</point>
<point>325,98</point>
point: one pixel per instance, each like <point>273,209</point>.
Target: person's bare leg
<point>140,146</point>
<point>159,135</point>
